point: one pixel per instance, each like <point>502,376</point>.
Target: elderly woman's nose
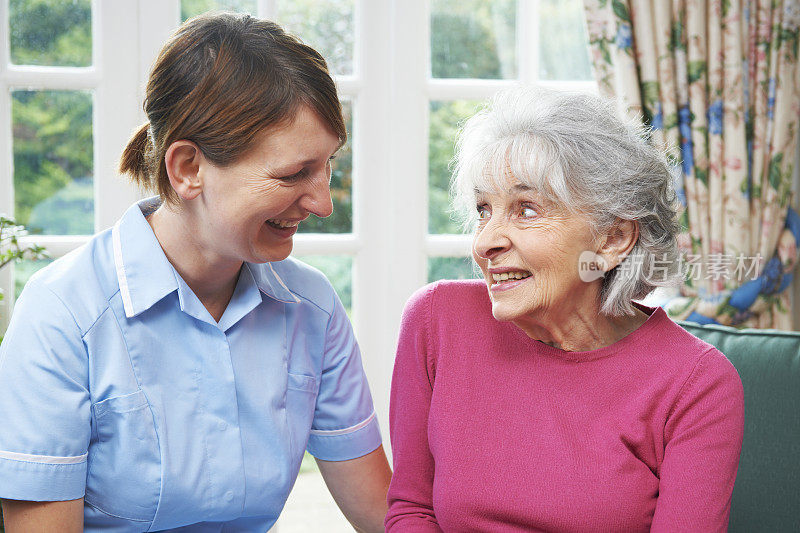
<point>491,241</point>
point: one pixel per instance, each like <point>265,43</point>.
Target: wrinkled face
<point>252,208</point>
<point>529,251</point>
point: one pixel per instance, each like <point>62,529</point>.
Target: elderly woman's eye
<point>527,211</point>
<point>483,212</point>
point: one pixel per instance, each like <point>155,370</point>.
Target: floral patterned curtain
<point>718,82</point>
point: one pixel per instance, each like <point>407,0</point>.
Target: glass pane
<point>190,8</point>
<point>327,26</point>
<point>452,268</point>
<point>339,271</point>
<point>24,269</point>
<point>445,119</point>
<point>51,32</point>
<point>474,39</point>
<point>563,46</point>
<point>341,221</point>
<point>53,151</point>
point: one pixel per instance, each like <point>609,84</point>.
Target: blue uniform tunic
<point>118,386</point>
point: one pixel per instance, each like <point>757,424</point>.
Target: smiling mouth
<point>505,277</point>
<point>282,224</point>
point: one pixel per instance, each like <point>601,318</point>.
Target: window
<point>72,74</point>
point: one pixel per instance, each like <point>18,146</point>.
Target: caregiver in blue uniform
<point>170,374</point>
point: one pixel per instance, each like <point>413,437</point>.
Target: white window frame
<point>390,89</point>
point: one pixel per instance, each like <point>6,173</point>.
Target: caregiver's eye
<point>296,176</point>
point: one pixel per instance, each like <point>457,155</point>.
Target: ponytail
<point>134,159</point>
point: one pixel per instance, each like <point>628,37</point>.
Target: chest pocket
<point>301,400</point>
<point>124,470</point>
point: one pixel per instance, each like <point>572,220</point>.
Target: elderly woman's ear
<point>183,159</point>
<point>618,242</point>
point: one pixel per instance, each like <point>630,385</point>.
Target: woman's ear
<point>183,159</point>
<point>618,242</point>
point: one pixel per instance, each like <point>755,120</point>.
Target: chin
<point>503,314</point>
<point>271,255</point>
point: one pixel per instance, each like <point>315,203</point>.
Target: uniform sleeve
<point>345,426</point>
<point>44,399</point>
<point>703,441</point>
<point>410,495</point>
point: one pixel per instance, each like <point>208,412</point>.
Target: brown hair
<point>220,81</point>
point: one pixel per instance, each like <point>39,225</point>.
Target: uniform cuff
<point>346,444</point>
<point>40,482</point>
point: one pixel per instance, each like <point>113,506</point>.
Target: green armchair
<point>766,496</point>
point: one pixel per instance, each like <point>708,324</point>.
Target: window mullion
<point>390,183</point>
<point>528,40</point>
<point>448,245</point>
<point>157,19</point>
<point>51,78</point>
<point>115,113</point>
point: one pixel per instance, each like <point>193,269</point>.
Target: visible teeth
<point>505,276</point>
<point>283,223</point>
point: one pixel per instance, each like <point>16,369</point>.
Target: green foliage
<point>676,36</point>
<point>445,120</point>
<point>52,147</point>
<point>701,175</point>
<point>327,26</point>
<point>51,32</point>
<point>12,249</point>
<point>650,93</point>
<point>621,10</point>
<point>191,8</point>
<point>696,70</point>
<point>451,268</point>
<point>473,39</point>
<point>774,172</point>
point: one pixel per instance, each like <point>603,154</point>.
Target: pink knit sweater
<point>493,431</point>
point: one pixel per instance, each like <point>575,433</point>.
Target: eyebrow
<point>288,166</point>
<point>519,187</point>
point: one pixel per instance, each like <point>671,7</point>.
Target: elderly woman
<point>171,373</point>
<point>543,398</point>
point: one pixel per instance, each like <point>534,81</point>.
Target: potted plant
<point>11,247</point>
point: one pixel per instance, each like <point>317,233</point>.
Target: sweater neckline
<point>655,320</point>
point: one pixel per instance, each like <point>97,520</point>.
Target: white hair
<point>576,151</point>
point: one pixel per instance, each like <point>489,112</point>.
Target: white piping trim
<point>351,429</point>
<point>46,459</point>
<point>121,278</point>
<point>296,299</point>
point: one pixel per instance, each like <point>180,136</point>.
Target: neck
<point>579,329</point>
<point>212,278</point>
